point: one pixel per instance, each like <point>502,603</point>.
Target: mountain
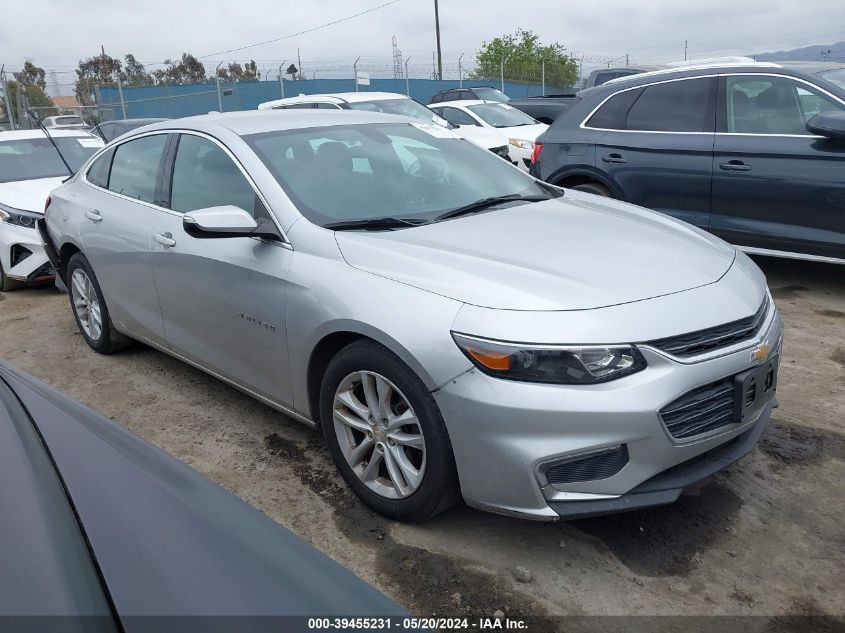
<point>815,53</point>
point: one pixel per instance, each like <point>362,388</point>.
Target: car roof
<point>462,102</point>
<point>334,97</point>
<point>132,121</point>
<point>18,135</point>
<point>462,88</point>
<point>259,121</point>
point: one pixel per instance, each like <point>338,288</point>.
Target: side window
<point>611,115</point>
<point>758,104</point>
<point>457,117</point>
<point>204,176</point>
<point>326,106</point>
<point>437,98</point>
<point>134,169</point>
<point>674,106</point>
<point>300,106</point>
<point>98,173</point>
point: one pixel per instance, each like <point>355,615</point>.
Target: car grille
<point>701,341</point>
<point>597,465</point>
<point>701,410</point>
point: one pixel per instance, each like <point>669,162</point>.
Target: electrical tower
<point>397,60</point>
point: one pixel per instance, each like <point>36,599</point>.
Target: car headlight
<point>556,364</point>
<point>18,217</point>
<point>518,142</point>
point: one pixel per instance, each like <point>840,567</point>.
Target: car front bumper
<point>506,434</point>
<point>33,269</point>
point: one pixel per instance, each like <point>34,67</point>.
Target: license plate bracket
<point>753,389</point>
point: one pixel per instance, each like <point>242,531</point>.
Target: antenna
<point>397,60</point>
<point>35,118</point>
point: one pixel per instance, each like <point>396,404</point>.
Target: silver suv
<point>453,326</point>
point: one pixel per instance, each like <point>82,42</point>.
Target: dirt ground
<point>765,537</point>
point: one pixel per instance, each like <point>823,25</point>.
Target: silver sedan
<point>454,327</point>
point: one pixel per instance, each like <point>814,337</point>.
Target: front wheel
<point>89,308</point>
<point>7,284</point>
<point>386,435</point>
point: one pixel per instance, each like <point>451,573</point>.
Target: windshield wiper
<point>374,224</point>
<point>485,203</point>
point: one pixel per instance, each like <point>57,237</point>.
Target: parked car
<point>752,152</point>
<point>454,326</point>
<point>476,93</point>
<point>516,128</point>
<point>601,76</point>
<point>101,524</point>
<point>65,122</point>
<point>544,108</point>
<point>110,130</point>
<point>388,103</point>
<point>30,167</point>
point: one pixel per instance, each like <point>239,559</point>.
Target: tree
<point>134,73</point>
<point>100,70</point>
<point>523,55</point>
<point>31,75</point>
<point>188,70</point>
<point>236,72</point>
<point>28,88</point>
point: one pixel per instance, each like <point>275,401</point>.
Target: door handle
<point>94,215</point>
<point>734,165</point>
<point>165,239</point>
<point>614,158</point>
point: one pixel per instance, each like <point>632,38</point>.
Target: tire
<point>438,488</point>
<point>7,284</point>
<point>595,188</point>
<point>85,302</point>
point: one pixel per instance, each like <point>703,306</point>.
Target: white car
<point>30,167</point>
<point>517,129</point>
<point>65,122</point>
<point>388,103</point>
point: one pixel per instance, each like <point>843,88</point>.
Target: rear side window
<point>135,167</point>
<point>98,173</point>
<point>457,117</point>
<point>204,176</point>
<point>326,106</point>
<point>299,106</point>
<point>675,106</point>
<point>611,115</point>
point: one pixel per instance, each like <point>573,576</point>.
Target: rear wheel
<point>595,188</point>
<point>386,435</point>
<point>89,308</point>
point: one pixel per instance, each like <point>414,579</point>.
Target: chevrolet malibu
<point>454,327</point>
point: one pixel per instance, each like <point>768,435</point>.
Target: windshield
<point>32,158</point>
<point>501,115</point>
<point>404,107</point>
<point>835,76</point>
<point>490,94</point>
<point>409,171</point>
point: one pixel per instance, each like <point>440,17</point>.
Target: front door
<point>223,299</point>
<point>776,186</point>
<point>119,212</point>
<point>658,147</point>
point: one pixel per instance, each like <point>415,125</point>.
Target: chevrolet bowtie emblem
<point>761,352</point>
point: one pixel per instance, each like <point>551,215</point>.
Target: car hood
<point>28,195</point>
<point>524,132</point>
<point>576,252</point>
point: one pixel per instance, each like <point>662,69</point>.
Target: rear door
<point>119,204</point>
<point>223,300</point>
<point>776,186</point>
<point>658,145</point>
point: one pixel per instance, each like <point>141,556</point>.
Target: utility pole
<point>502,72</point>
<point>281,78</point>
<point>460,71</point>
<point>437,32</point>
<point>299,61</point>
<point>627,60</point>
<point>407,81</point>
<point>686,45</point>
<point>5,85</point>
<point>219,94</point>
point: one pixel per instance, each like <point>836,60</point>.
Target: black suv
<point>485,93</point>
<point>754,153</point>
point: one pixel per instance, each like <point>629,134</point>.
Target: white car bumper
<point>22,254</point>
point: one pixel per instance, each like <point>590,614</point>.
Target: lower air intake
<point>591,467</point>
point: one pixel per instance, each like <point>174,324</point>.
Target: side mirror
<point>828,124</point>
<point>227,221</point>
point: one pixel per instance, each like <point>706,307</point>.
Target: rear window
<point>611,115</point>
<point>676,106</point>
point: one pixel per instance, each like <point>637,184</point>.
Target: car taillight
<point>535,155</point>
<point>47,203</point>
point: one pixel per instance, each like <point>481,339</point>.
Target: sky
<point>648,31</point>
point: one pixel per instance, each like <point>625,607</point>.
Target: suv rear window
<point>611,115</point>
<point>675,106</point>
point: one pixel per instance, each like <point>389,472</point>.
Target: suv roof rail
<point>677,69</point>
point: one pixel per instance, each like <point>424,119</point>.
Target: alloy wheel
<point>379,434</point>
<point>86,304</point>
